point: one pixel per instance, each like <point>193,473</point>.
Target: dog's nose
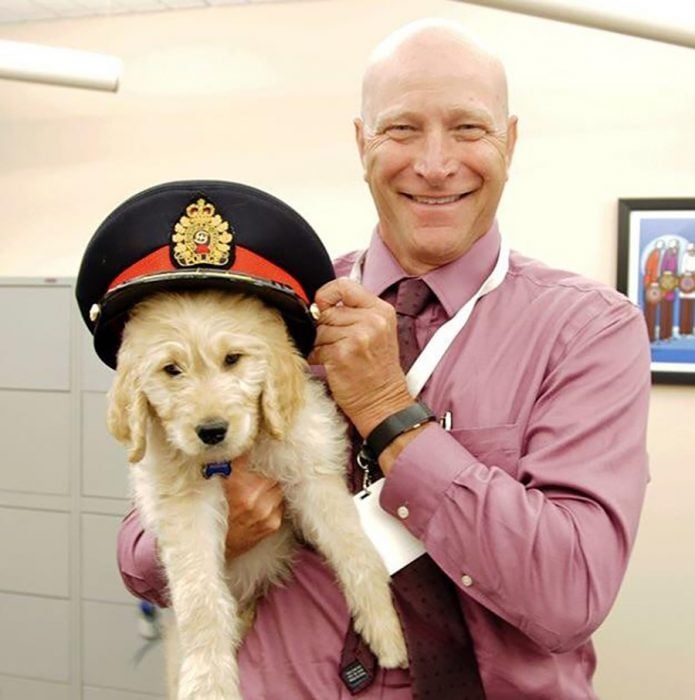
<point>212,432</point>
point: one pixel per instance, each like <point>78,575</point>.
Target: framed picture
<point>656,269</point>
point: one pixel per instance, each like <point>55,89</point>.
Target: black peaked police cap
<point>200,234</point>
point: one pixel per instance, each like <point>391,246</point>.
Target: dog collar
<point>221,468</point>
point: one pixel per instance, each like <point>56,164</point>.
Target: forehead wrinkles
<point>448,112</point>
<point>435,64</point>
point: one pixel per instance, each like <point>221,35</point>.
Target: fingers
<point>348,312</point>
<point>340,315</point>
<point>345,292</point>
<point>357,344</point>
<point>352,329</point>
<point>245,488</point>
<point>256,508</point>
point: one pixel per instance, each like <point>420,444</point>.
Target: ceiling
<point>12,11</point>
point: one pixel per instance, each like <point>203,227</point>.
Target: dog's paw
<point>392,653</point>
<point>202,679</point>
<point>210,693</point>
<point>385,638</point>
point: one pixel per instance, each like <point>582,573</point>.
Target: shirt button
<point>402,512</point>
<point>466,580</point>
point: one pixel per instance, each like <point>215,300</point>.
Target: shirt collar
<point>453,284</point>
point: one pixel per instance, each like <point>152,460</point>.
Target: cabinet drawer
<point>110,645</point>
<point>21,689</point>
<point>35,437</point>
<point>110,694</point>
<point>35,352</point>
<point>34,637</point>
<point>94,375</point>
<point>101,580</point>
<point>104,460</point>
<point>35,552</point>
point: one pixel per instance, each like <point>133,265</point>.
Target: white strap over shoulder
<point>432,353</point>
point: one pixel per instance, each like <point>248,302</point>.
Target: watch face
<point>653,293</point>
<point>687,282</point>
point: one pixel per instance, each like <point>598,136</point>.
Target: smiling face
<point>435,142</point>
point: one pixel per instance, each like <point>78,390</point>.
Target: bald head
<point>435,47</point>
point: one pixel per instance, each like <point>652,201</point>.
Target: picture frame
<point>656,270</point>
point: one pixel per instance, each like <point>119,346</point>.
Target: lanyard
<point>432,353</point>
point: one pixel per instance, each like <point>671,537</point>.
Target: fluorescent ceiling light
<point>56,66</point>
<point>612,21</point>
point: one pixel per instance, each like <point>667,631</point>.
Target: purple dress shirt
<point>530,503</point>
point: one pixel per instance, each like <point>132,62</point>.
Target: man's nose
<point>212,432</point>
<point>437,160</point>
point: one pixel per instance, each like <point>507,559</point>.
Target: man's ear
<point>360,141</point>
<point>511,138</point>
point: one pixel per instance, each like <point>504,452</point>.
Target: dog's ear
<point>128,409</point>
<point>283,392</point>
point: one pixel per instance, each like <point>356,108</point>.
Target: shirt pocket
<point>493,446</point>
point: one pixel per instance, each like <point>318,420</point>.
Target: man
<point>527,494</point>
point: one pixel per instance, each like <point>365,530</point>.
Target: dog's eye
<point>172,370</point>
<point>232,358</point>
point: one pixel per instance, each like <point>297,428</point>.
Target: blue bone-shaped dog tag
<point>221,468</point>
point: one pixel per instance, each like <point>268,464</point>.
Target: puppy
<point>202,378</point>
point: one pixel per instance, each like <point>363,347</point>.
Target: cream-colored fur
<point>283,419</point>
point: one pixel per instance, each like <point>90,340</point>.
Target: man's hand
<point>256,506</point>
<point>357,343</point>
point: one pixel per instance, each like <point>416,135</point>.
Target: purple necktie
<point>412,296</point>
<point>442,662</point>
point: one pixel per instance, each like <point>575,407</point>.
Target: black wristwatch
<point>400,422</point>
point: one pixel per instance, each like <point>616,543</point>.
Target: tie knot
<point>412,296</point>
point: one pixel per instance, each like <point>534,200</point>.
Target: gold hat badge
<point>201,236</point>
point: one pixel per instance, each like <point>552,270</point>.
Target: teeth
<point>436,200</point>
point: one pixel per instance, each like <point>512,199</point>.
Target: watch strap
<point>400,422</point>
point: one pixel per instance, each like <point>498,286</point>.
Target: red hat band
<point>246,262</point>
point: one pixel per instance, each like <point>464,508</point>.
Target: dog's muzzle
<point>212,432</point>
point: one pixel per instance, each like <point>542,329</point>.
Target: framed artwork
<point>656,269</point>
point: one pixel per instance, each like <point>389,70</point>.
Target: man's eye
<point>470,131</point>
<point>172,370</point>
<point>232,358</point>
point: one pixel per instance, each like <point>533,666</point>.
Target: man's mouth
<point>449,199</point>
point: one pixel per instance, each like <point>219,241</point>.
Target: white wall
<point>265,94</point>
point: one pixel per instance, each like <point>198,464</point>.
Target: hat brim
<point>116,304</point>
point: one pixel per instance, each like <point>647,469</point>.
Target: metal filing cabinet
<point>68,628</point>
